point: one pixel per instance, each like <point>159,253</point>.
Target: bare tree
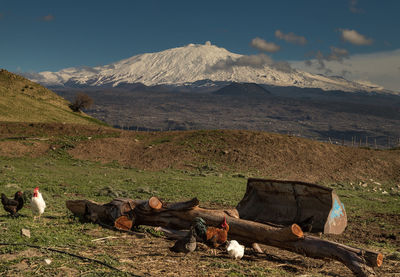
<point>82,101</point>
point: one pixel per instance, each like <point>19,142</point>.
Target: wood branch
<point>260,232</point>
<point>256,248</point>
<point>172,233</point>
<point>359,261</point>
<point>180,215</point>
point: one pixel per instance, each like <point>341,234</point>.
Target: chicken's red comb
<point>224,223</point>
<point>36,189</point>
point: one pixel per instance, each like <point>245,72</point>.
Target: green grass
<point>62,178</point>
<point>361,201</point>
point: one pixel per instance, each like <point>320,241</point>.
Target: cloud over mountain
<point>254,61</point>
<point>385,71</point>
<point>262,45</point>
<point>336,54</point>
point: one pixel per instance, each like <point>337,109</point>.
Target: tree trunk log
<point>360,261</point>
<point>179,215</point>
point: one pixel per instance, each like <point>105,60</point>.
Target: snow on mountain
<point>190,64</point>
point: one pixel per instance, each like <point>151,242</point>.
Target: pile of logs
<point>124,213</point>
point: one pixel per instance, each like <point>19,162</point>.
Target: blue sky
<point>51,35</point>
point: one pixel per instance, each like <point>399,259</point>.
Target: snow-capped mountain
<point>195,65</point>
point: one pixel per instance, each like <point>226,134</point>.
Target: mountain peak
<point>207,43</point>
<point>189,65</point>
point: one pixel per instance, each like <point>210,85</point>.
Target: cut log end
<point>379,260</point>
<point>296,230</point>
<point>123,223</point>
<point>155,203</point>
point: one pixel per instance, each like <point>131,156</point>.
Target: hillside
<point>249,153</point>
<point>24,101</point>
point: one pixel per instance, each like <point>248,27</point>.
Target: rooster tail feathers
<point>200,228</point>
<point>199,220</point>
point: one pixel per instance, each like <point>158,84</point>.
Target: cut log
<point>155,203</point>
<point>123,223</point>
<point>179,216</point>
<point>359,261</point>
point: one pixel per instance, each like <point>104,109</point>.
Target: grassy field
<point>69,161</point>
<point>61,177</point>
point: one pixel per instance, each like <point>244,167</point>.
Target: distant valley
<point>361,119</point>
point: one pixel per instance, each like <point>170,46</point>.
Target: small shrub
<point>82,101</point>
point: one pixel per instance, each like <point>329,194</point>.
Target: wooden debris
<point>179,215</point>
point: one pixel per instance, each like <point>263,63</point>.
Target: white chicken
<point>37,203</point>
<point>235,250</point>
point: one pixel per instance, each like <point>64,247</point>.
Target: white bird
<point>37,203</point>
<point>235,250</point>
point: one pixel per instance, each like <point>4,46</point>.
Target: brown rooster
<point>213,236</point>
<point>13,205</point>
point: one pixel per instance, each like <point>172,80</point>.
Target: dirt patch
<point>130,152</point>
<point>16,129</point>
<point>260,153</point>
<point>22,254</point>
<point>272,155</point>
<point>151,257</point>
<point>377,228</point>
<point>257,153</point>
<point>22,148</point>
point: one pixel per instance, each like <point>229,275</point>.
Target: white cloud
<point>254,61</point>
<point>381,68</point>
<point>291,37</point>
<point>262,45</point>
<point>354,37</point>
<point>336,54</point>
